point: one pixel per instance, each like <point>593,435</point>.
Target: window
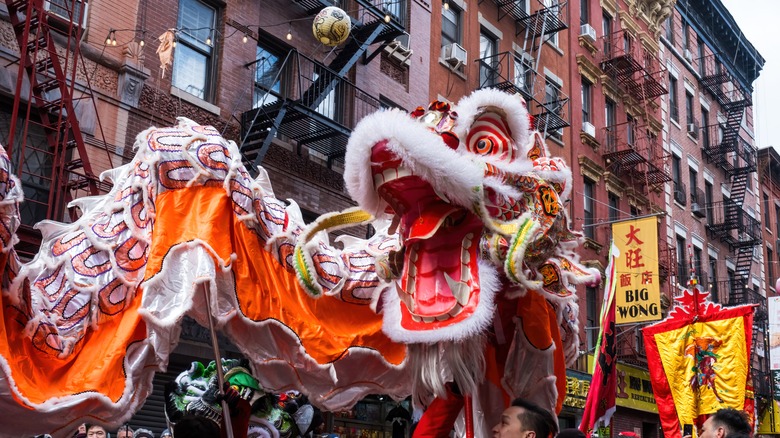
<point>450,25</point>
<point>586,92</point>
<point>693,176</point>
<point>679,187</point>
<point>708,200</point>
<point>777,219</point>
<point>705,122</point>
<point>488,72</point>
<point>770,269</point>
<point>396,9</point>
<point>268,78</point>
<point>193,63</point>
<point>686,42</point>
<point>584,12</point>
<point>62,9</point>
<point>553,103</point>
<point>606,27</point>
<point>630,125</point>
<point>767,216</point>
<point>732,279</point>
<point>588,207</point>
<point>674,111</point>
<point>700,50</point>
<point>688,108</point>
<point>592,329</point>
<point>524,75</point>
<point>713,285</point>
<point>697,262</point>
<point>635,212</point>
<point>670,29</point>
<point>614,207</point>
<point>610,115</point>
<point>555,9</point>
<point>682,270</point>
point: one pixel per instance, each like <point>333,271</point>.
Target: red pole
<point>469,416</point>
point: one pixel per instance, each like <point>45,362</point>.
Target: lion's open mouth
<point>439,282</point>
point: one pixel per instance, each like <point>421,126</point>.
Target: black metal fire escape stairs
<point>46,101</point>
<point>297,116</point>
<point>549,107</point>
<point>630,149</point>
<point>725,147</point>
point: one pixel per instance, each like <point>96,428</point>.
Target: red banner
<point>600,403</point>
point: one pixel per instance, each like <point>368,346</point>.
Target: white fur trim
<point>421,150</point>
<point>472,326</point>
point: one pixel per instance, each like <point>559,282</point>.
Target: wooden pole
<point>218,358</point>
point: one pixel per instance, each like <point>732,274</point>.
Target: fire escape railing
<point>724,146</point>
<point>633,67</point>
<point>726,218</point>
<point>299,115</point>
<point>630,150</point>
<point>311,105</point>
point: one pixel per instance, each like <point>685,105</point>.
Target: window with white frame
<point>524,74</point>
<point>450,25</point>
<point>587,97</point>
<point>268,75</point>
<point>588,208</point>
<point>193,61</point>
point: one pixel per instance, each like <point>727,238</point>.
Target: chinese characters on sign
<point>638,290</point>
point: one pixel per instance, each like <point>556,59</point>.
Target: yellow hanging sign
<point>638,295</point>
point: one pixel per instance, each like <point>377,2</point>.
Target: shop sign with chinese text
<point>638,292</point>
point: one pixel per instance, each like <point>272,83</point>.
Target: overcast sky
<point>760,22</point>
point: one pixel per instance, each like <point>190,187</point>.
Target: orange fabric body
<point>265,290</point>
<point>96,366</point>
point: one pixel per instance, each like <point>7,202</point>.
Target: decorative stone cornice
<point>649,42</point>
<point>589,140</point>
<point>596,264</point>
<point>609,6</point>
<point>592,244</point>
<point>588,44</point>
<point>590,168</point>
<point>628,23</point>
<point>614,184</point>
<point>611,89</point>
<point>588,69</point>
<point>654,12</point>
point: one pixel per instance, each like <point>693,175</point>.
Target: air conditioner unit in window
<point>454,55</point>
<point>693,130</point>
<point>688,55</point>
<point>698,209</point>
<point>588,32</point>
<point>403,40</point>
<point>589,129</point>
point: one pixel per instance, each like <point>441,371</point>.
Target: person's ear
<point>529,434</point>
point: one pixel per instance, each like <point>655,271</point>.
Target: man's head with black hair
<point>525,420</point>
<point>726,423</point>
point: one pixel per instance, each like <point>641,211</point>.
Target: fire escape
<point>630,149</point>
<point>727,220</point>
<point>44,141</point>
<point>726,148</point>
<point>549,105</point>
<point>314,105</point>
